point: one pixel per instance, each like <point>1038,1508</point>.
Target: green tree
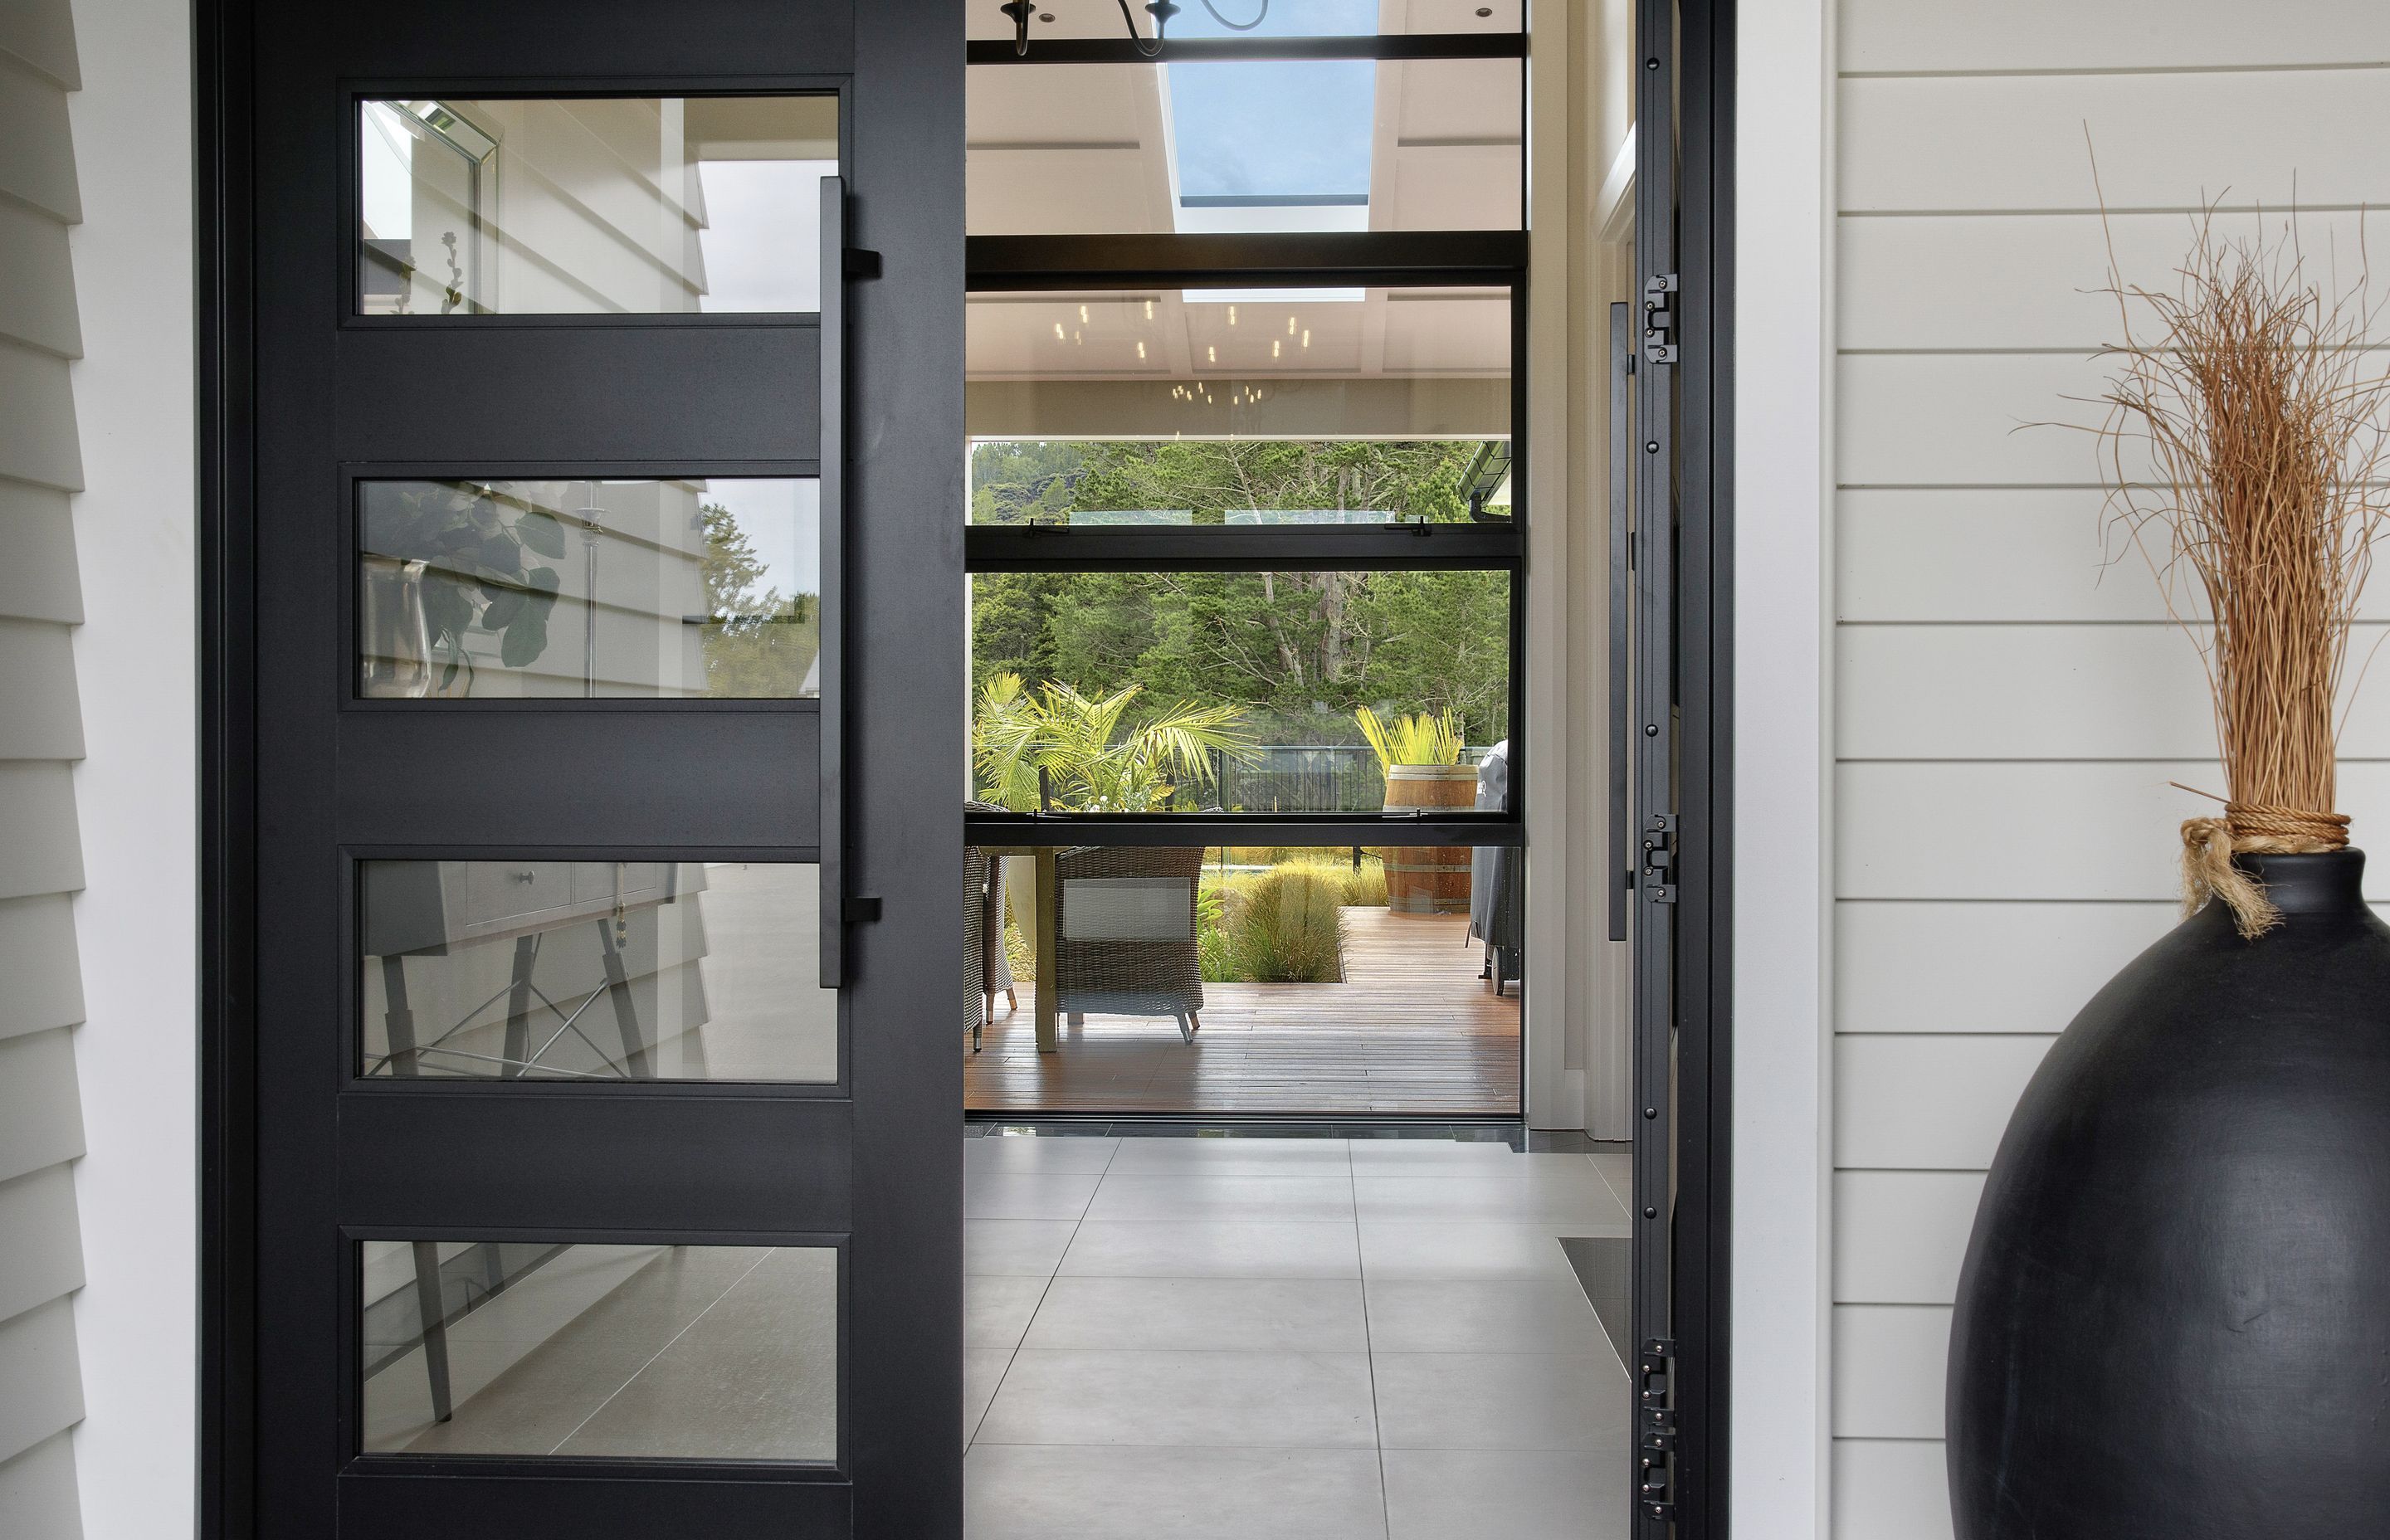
<point>1295,652</point>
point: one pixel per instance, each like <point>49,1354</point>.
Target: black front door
<point>589,643</point>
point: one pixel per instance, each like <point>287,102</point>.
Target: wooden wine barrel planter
<point>1428,879</point>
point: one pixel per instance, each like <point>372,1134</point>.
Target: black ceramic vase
<point>2174,1321</point>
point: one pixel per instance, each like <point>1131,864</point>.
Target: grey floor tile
<point>1574,1196</point>
<point>1452,1249</point>
<point>1232,1157</point>
<point>996,1309</point>
<point>1016,1248</point>
<point>1618,1170</point>
<point>1214,1248</point>
<point>1084,1157</point>
<point>1481,1316</point>
<point>982,1371</point>
<point>1027,1195</point>
<point>1517,1494</point>
<point>1502,1401</point>
<point>1430,1157</point>
<point>1021,1491</point>
<point>1250,1314</point>
<point>1204,1195</point>
<point>1216,1399</point>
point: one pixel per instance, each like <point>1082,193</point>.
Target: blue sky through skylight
<point>1281,128</point>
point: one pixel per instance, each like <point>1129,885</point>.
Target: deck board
<point>1411,1031</point>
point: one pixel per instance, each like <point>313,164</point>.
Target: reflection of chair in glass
<point>1125,920</point>
<point>425,908</point>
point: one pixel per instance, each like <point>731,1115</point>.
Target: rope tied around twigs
<point>2209,844</point>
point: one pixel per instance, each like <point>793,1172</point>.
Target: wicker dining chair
<point>1127,922</point>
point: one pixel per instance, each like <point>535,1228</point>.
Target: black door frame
<point>1699,1284</point>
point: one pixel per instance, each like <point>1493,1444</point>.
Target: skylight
<point>1277,144</point>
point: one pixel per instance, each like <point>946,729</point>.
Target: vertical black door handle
<point>831,611</point>
<point>1622,701</point>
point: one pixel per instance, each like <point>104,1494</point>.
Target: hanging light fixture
<point>1020,11</point>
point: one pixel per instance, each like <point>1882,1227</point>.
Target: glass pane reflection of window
<point>592,206</point>
<point>524,1348</point>
<point>507,589</point>
<point>592,971</point>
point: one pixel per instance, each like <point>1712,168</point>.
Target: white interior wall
<point>1579,73</point>
<point>2005,714</point>
<point>136,787</point>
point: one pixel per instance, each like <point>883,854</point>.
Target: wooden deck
<point>1412,1029</point>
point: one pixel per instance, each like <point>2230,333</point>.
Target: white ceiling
<point>1159,334</point>
<point>1085,150</point>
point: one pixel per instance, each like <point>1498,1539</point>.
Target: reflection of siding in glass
<point>591,206</point>
<point>485,590</point>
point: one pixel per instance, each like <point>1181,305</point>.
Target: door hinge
<point>1659,882</point>
<point>860,264</point>
<point>1655,1422</point>
<point>1660,318</point>
<point>861,909</point>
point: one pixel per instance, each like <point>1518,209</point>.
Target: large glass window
<point>592,971</point>
<point>592,205</point>
<point>1237,692</point>
<point>508,589</point>
<point>1245,543</point>
<point>644,1352</point>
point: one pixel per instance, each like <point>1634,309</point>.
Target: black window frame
<point>1369,258</point>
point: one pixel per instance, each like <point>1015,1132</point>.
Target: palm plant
<point>1421,739</point>
<point>1018,733</point>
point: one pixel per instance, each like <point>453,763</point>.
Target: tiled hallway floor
<point>1257,1338</point>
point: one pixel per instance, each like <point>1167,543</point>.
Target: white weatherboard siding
<point>40,736</point>
<point>2009,701</point>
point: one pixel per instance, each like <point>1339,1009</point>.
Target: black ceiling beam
<point>1286,831</point>
<point>1190,50</point>
<point>1239,547</point>
<point>1363,258</point>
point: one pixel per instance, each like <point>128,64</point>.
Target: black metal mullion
<point>1369,258</point>
<point>1228,548</point>
<point>1190,50</point>
<point>1291,830</point>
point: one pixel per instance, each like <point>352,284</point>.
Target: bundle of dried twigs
<point>2244,436</point>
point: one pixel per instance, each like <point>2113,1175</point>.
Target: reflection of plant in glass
<point>1018,733</point>
<point>477,576</point>
<point>1421,739</point>
<point>760,644</point>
